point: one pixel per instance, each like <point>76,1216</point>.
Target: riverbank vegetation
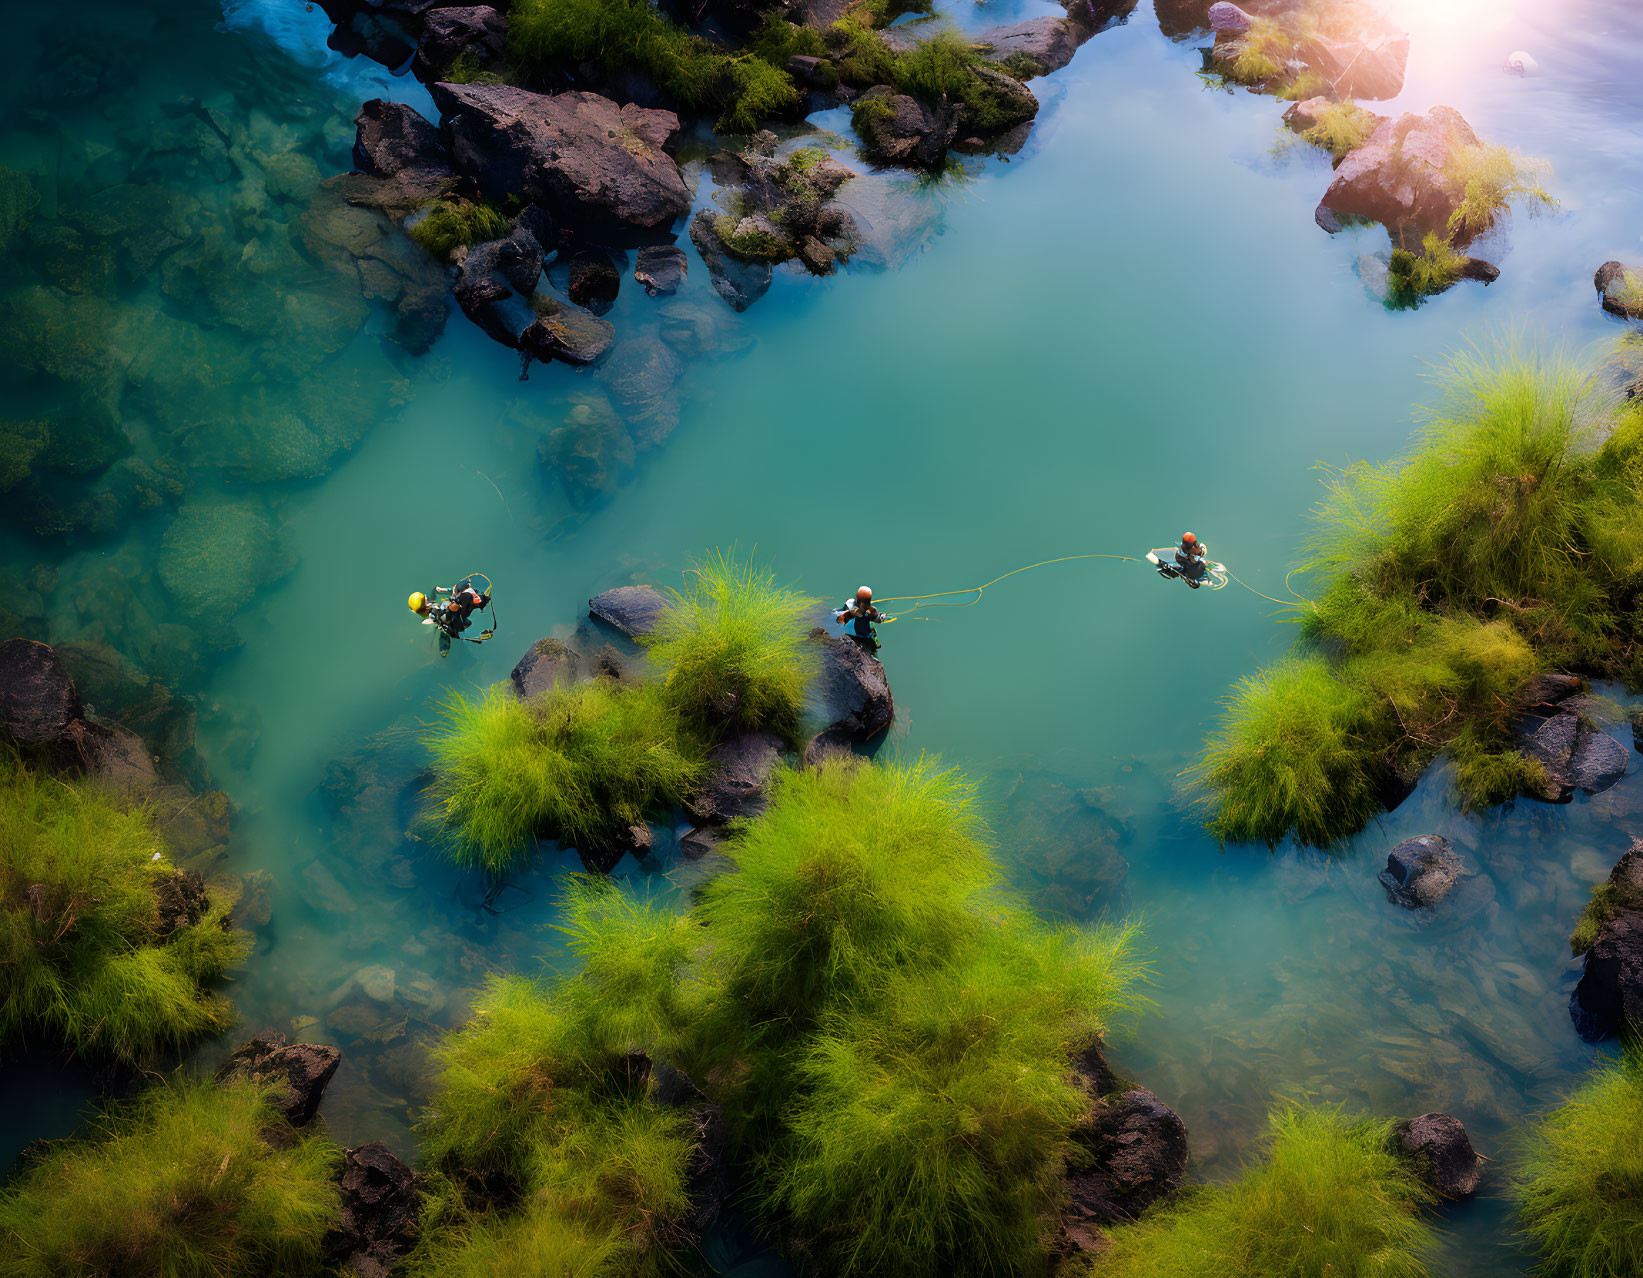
<point>886,1033</point>
<point>1328,1196</point>
<point>578,764</point>
<point>733,650</point>
<point>1579,1184</point>
<point>104,947</point>
<point>1500,548</point>
<point>179,1183</point>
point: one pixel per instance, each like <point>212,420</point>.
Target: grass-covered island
<point>1500,549</point>
<point>106,950</point>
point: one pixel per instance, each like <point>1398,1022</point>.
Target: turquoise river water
<point>1131,328</point>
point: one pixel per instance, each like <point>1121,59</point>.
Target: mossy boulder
<point>1620,288</point>
<point>214,558</point>
<point>139,222</point>
<point>591,452</point>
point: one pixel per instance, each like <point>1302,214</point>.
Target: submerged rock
<point>661,268</point>
<point>1438,1147</point>
<point>1621,289</point>
<point>213,559</point>
<point>303,1069</point>
<point>1129,1153</point>
<point>641,375</point>
<point>1609,995</point>
<point>566,332</point>
<point>632,610</point>
<point>1420,872</point>
<point>589,162</point>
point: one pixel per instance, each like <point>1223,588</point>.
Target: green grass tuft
<point>176,1184</point>
<point>578,765</point>
<point>1261,54</point>
<point>1490,178</point>
<point>82,954</point>
<point>734,650</point>
<point>1294,754</point>
<point>1328,1198</point>
<point>1579,1184</point>
<point>1341,128</point>
<point>1499,548</point>
<point>448,224</point>
<point>1435,268</point>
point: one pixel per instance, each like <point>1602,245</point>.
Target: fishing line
<point>925,601</point>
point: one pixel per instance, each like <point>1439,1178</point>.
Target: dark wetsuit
<point>858,623</point>
<point>452,615</point>
<point>1192,563</point>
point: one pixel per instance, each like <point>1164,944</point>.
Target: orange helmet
<point>1188,539</point>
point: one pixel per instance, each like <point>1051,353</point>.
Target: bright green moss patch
<point>891,1032</point>
<point>1260,55</point>
<point>578,765</point>
<point>448,224</point>
<point>1340,128</point>
<point>177,1184</point>
<point>1416,275</point>
<point>88,956</point>
<point>549,1150</point>
<point>733,649</point>
<point>1327,1197</point>
<point>1500,548</point>
<point>1579,1184</point>
<point>1490,178</point>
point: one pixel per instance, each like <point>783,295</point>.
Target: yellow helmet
<point>418,602</point>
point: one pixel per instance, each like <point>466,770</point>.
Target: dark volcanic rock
<point>478,31</point>
<point>742,769</point>
<point>495,282</point>
<point>1437,1145</point>
<point>1131,1152</point>
<point>304,1069</point>
<point>549,664</point>
<point>700,842</point>
<point>1550,689</point>
<point>392,139</point>
<point>1400,177</point>
<point>590,163</point>
<point>1610,989</point>
<point>39,705</point>
<point>661,268</point>
<point>898,129</point>
<point>631,609</point>
<point>1420,872</point>
<point>1576,754</point>
<point>1621,287</point>
<point>380,1211</point>
<point>853,691</point>
<point>566,333</point>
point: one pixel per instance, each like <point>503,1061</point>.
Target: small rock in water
<point>1439,1147</point>
<point>661,269</point>
<point>633,610</point>
<point>376,983</point>
<point>1420,872</point>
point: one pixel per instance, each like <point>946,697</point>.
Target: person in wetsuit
<point>450,616</point>
<point>1192,560</point>
<point>858,617</point>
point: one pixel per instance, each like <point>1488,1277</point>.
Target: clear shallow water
<point>1131,328</point>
